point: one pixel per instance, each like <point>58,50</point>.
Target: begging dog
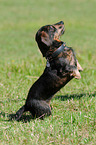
<point>61,67</point>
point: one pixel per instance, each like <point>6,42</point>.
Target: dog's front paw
<point>76,74</point>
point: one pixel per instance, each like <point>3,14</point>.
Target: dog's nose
<point>61,22</point>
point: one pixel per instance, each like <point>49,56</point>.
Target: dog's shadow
<point>27,117</point>
<point>24,118</point>
<point>11,117</point>
<point>77,96</point>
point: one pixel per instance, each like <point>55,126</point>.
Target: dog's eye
<point>53,28</point>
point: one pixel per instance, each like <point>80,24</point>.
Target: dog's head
<point>47,34</point>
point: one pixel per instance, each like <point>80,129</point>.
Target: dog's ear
<point>45,38</point>
<point>76,74</point>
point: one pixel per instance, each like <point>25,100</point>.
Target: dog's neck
<point>58,51</point>
<point>55,49</point>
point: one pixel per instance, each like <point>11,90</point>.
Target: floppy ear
<point>76,74</point>
<point>45,38</point>
<point>79,66</point>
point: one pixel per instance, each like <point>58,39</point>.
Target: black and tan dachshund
<point>61,67</point>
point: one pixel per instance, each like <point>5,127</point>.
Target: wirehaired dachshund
<point>61,67</point>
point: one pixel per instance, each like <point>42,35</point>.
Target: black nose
<point>60,23</point>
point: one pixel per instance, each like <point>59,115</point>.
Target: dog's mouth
<point>62,31</point>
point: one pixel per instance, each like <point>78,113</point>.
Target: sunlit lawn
<point>73,119</point>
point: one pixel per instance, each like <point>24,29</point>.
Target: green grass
<point>73,120</point>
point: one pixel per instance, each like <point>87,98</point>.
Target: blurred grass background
<point>21,63</point>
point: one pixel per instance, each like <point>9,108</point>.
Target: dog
<point>61,67</point>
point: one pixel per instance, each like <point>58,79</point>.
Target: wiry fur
<point>59,72</point>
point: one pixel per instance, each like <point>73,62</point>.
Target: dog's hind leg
<point>40,109</point>
<point>20,112</point>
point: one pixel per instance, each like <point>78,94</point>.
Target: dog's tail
<point>20,112</point>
